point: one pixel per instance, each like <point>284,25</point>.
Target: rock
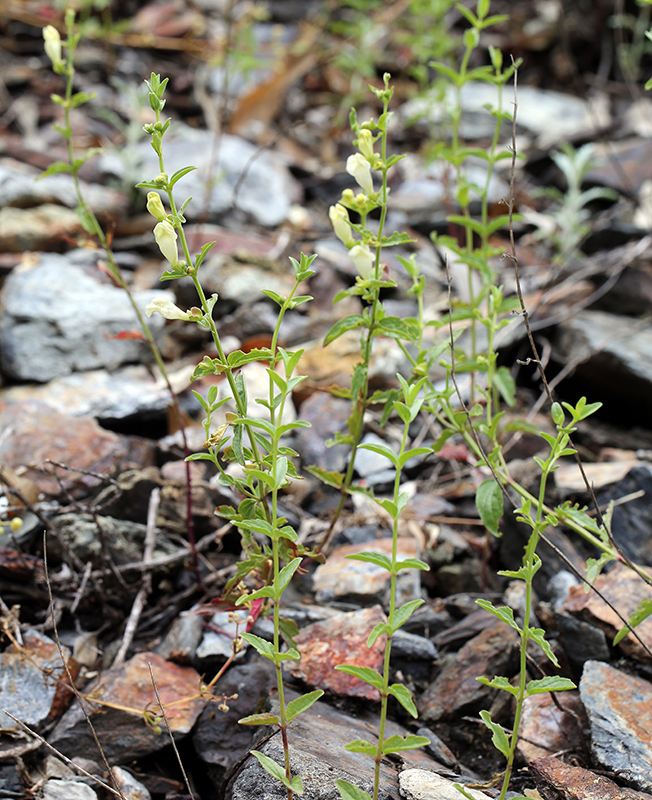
<point>124,540</point>
<point>126,392</point>
<point>217,641</point>
<point>558,781</point>
<point>181,641</point>
<point>619,708</point>
<point>262,185</point>
<point>340,640</point>
<point>34,432</point>
<point>355,581</point>
<point>367,461</point>
<point>410,647</point>
<point>125,735</point>
<point>327,416</point>
<point>456,690</point>
<point>625,591</point>
<point>316,753</point>
<point>56,319</point>
<point>582,642</point>
<point>131,788</point>
<point>614,359</point>
<point>632,521</point>
<point>67,790</point>
<point>33,229</point>
<point>544,729</point>
<point>26,691</point>
<point>438,749</point>
<point>217,738</point>
<point>419,784</point>
<point>569,481</point>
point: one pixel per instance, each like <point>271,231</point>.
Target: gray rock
<point>55,320</point>
<point>437,748</point>
<point>421,784</point>
<point>327,416</point>
<point>181,641</point>
<point>632,521</point>
<point>582,641</point>
<point>412,647</point>
<point>217,641</point>
<point>367,461</point>
<point>131,788</point>
<point>67,790</point>
<point>619,707</point>
<point>265,188</point>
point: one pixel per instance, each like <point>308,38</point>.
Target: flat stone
<point>124,735</point>
<point>438,749</point>
<point>181,641</point>
<point>624,590</point>
<point>340,640</point>
<point>456,690</point>
<point>367,461</point>
<point>67,790</point>
<point>130,787</point>
<point>558,781</point>
<point>26,691</point>
<point>39,228</point>
<point>582,641</point>
<point>327,416</point>
<point>218,638</point>
<point>57,319</point>
<point>217,738</point>
<point>34,432</point>
<point>619,708</point>
<point>356,581</point>
<point>420,784</point>
<point>632,521</point>
<point>316,753</point>
<point>124,539</point>
<point>545,729</point>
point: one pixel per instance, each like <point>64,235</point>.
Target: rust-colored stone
<point>35,432</point>
<point>124,734</point>
<point>558,781</point>
<point>340,640</point>
<point>545,729</point>
<point>624,590</point>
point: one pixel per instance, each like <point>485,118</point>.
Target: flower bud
<point>53,46</point>
<point>339,217</point>
<point>166,239</point>
<point>155,206</point>
<point>162,179</point>
<point>358,166</point>
<point>168,310</point>
<point>363,259</point>
<point>366,144</point>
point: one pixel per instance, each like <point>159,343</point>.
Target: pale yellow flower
<point>363,259</point>
<point>155,206</point>
<point>53,45</point>
<point>358,167</point>
<point>339,217</point>
<point>166,239</point>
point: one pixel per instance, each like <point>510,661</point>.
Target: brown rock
<point>124,734</point>
<point>34,432</point>
<point>340,640</point>
<point>558,781</point>
<point>545,729</point>
<point>624,590</point>
<point>456,690</point>
<point>41,228</point>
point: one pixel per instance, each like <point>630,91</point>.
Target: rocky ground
<point>101,572</point>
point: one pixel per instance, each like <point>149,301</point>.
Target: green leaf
<point>499,683</point>
<point>179,174</point>
<point>410,563</point>
<point>285,575</point>
<point>260,719</point>
<point>382,450</point>
<point>404,697</point>
<point>361,746</point>
<point>270,766</point>
<point>365,674</point>
<point>413,453</point>
<point>506,385</point>
<point>403,614</point>
<point>551,683</point>
<point>635,618</point>
<point>489,501</point>
<point>290,655</point>
<point>264,648</point>
<point>503,613</point>
<point>266,591</point>
<point>379,559</point>
<point>538,635</point>
<point>301,704</point>
<point>328,477</point>
<point>56,168</point>
<point>238,358</point>
<point>380,628</point>
<point>274,296</point>
<point>343,325</point>
<point>350,792</point>
<point>500,739</point>
<point>395,744</point>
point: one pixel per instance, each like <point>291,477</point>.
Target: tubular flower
<point>366,144</point>
<point>358,166</point>
<point>53,45</point>
<point>339,217</point>
<point>166,239</point>
<point>155,206</point>
<point>363,259</point>
<point>168,310</point>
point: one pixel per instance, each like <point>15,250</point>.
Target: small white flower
<point>358,166</point>
<point>155,206</point>
<point>166,239</point>
<point>53,45</point>
<point>339,217</point>
<point>167,309</point>
<point>366,144</point>
<point>363,259</point>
